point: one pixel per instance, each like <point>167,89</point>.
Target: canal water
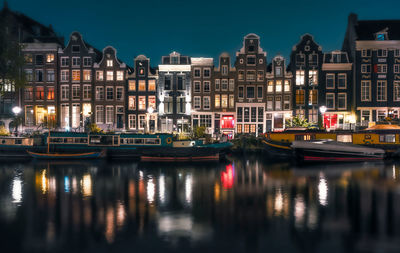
<point>246,204</point>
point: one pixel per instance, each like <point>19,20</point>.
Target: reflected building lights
<point>44,182</point>
<point>278,205</point>
<point>394,172</point>
<point>228,177</point>
<point>323,191</point>
<point>161,188</point>
<point>120,215</point>
<point>17,190</point>
<point>74,185</point>
<point>188,188</point>
<point>150,190</point>
<point>86,185</point>
<point>66,184</point>
<point>299,211</point>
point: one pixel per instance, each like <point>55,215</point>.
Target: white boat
<point>333,151</point>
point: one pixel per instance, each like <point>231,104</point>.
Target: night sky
<point>202,28</point>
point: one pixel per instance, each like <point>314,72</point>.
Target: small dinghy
<point>89,155</point>
<point>333,151</point>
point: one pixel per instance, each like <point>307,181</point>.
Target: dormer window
<point>278,71</point>
<point>313,59</point>
<point>224,70</point>
<point>174,60</point>
<point>141,71</point>
<point>109,63</point>
<point>75,49</point>
<point>336,58</point>
<point>251,48</point>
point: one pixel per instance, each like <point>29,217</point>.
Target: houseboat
<point>386,137</point>
<point>334,151</point>
<point>14,147</point>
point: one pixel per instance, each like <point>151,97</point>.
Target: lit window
<point>270,86</point>
<point>231,101</point>
<point>224,101</point>
<point>87,75</point>
<point>299,77</point>
<point>132,103</point>
<point>76,75</point>
<point>142,85</point>
<point>120,75</point>
<point>278,86</point>
<point>109,63</point>
<point>99,75</point>
<point>132,85</point>
<point>152,85</point>
<point>142,103</point>
<point>50,58</point>
<point>300,97</point>
<point>217,101</point>
<point>110,75</point>
<point>152,101</point>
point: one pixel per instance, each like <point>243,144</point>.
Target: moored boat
<point>333,151</point>
<point>88,155</point>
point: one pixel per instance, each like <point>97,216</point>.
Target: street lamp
<point>16,110</point>
<point>322,109</point>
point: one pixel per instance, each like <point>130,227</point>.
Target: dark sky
<point>202,28</point>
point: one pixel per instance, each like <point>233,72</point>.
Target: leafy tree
<point>11,60</point>
<point>297,121</point>
<point>95,129</point>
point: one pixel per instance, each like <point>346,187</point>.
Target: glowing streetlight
<point>150,110</point>
<point>322,109</point>
<point>16,110</point>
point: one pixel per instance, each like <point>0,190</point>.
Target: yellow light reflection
<point>323,191</point>
<point>150,191</point>
<point>86,185</point>
<point>217,192</point>
<point>44,182</point>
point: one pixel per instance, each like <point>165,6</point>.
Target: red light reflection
<point>227,177</point>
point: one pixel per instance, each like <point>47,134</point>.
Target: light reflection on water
<point>182,207</point>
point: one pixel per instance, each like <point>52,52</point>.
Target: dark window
<point>246,114</point>
<point>251,48</point>
<point>299,59</point>
<point>241,92</point>
<point>253,114</point>
<point>167,85</point>
<point>75,49</point>
<point>260,114</point>
<point>251,60</point>
<point>39,59</point>
<point>180,83</point>
<point>250,92</point>
<point>239,114</point>
<point>259,92</point>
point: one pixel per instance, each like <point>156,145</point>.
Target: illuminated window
<point>142,85</point>
<point>224,101</point>
<point>278,86</point>
<point>76,75</point>
<point>287,85</point>
<point>239,128</point>
<point>260,75</point>
<point>120,75</point>
<point>110,75</point>
<point>231,101</point>
<point>132,85</point>
<point>299,77</point>
<point>240,75</point>
<point>313,97</point>
<point>300,97</point>
<point>142,103</point>
<point>270,86</point>
<point>50,58</point>
<point>313,77</point>
<point>152,101</point>
<point>396,89</point>
<point>39,93</point>
<point>50,93</point>
<point>109,63</point>
<point>217,101</point>
<point>87,75</point>
<point>99,75</point>
<point>28,58</point>
<point>152,85</point>
<point>132,103</point>
<point>251,75</point>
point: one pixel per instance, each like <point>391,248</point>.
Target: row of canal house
<point>72,85</point>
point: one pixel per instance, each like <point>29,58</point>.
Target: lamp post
<point>150,110</point>
<point>322,109</point>
<point>16,110</point>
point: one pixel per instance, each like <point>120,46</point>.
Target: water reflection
<point>245,205</point>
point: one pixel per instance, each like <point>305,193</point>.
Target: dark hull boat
<point>333,151</point>
<point>58,156</point>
